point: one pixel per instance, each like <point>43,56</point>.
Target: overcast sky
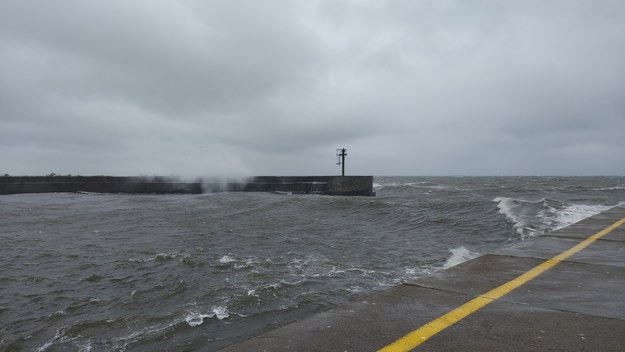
<point>237,88</point>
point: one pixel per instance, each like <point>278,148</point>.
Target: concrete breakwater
<point>329,185</point>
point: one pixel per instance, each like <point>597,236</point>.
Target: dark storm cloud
<point>245,87</point>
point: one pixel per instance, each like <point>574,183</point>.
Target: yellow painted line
<point>420,335</point>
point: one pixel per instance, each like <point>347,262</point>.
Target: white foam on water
<point>577,212</point>
<point>157,257</point>
<point>86,347</point>
<point>459,255</point>
<point>51,342</point>
<point>196,319</point>
<point>610,188</point>
<point>247,263</point>
<point>411,271</point>
<point>227,259</point>
<point>122,342</point>
<point>355,289</point>
<point>57,313</point>
<point>60,338</point>
<point>221,312</point>
<point>164,256</point>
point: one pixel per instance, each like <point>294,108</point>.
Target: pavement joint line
<point>577,238</point>
<point>460,293</point>
<point>423,333</point>
<point>570,261</point>
<point>580,313</point>
<point>563,260</point>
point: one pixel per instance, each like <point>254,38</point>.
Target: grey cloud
<point>196,87</point>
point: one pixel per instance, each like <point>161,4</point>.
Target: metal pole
<point>343,154</point>
<point>340,154</point>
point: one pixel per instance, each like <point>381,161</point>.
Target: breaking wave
<point>195,319</point>
<point>533,218</point>
<point>459,255</point>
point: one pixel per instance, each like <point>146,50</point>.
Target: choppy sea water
<point>101,272</point>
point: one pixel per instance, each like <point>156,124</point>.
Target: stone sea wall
<point>331,185</point>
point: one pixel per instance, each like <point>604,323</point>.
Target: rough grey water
<point>98,272</point>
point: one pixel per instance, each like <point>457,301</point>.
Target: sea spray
<point>459,255</point>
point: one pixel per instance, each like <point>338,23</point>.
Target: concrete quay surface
<point>576,303</point>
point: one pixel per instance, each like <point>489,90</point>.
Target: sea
<point>126,272</point>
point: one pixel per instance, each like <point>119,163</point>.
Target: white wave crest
<point>610,188</point>
<point>60,338</point>
<point>508,207</point>
<point>121,343</point>
<point>159,257</point>
<point>195,319</point>
<point>533,218</point>
<point>226,259</point>
<point>577,212</point>
<point>459,255</point>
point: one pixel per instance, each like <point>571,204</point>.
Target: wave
<point>226,259</point>
<point>143,335</point>
<point>577,212</point>
<point>609,188</point>
<point>405,185</point>
<point>60,337</point>
<point>195,319</point>
<point>459,255</point>
<point>182,257</point>
<point>533,218</point>
<point>79,335</point>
